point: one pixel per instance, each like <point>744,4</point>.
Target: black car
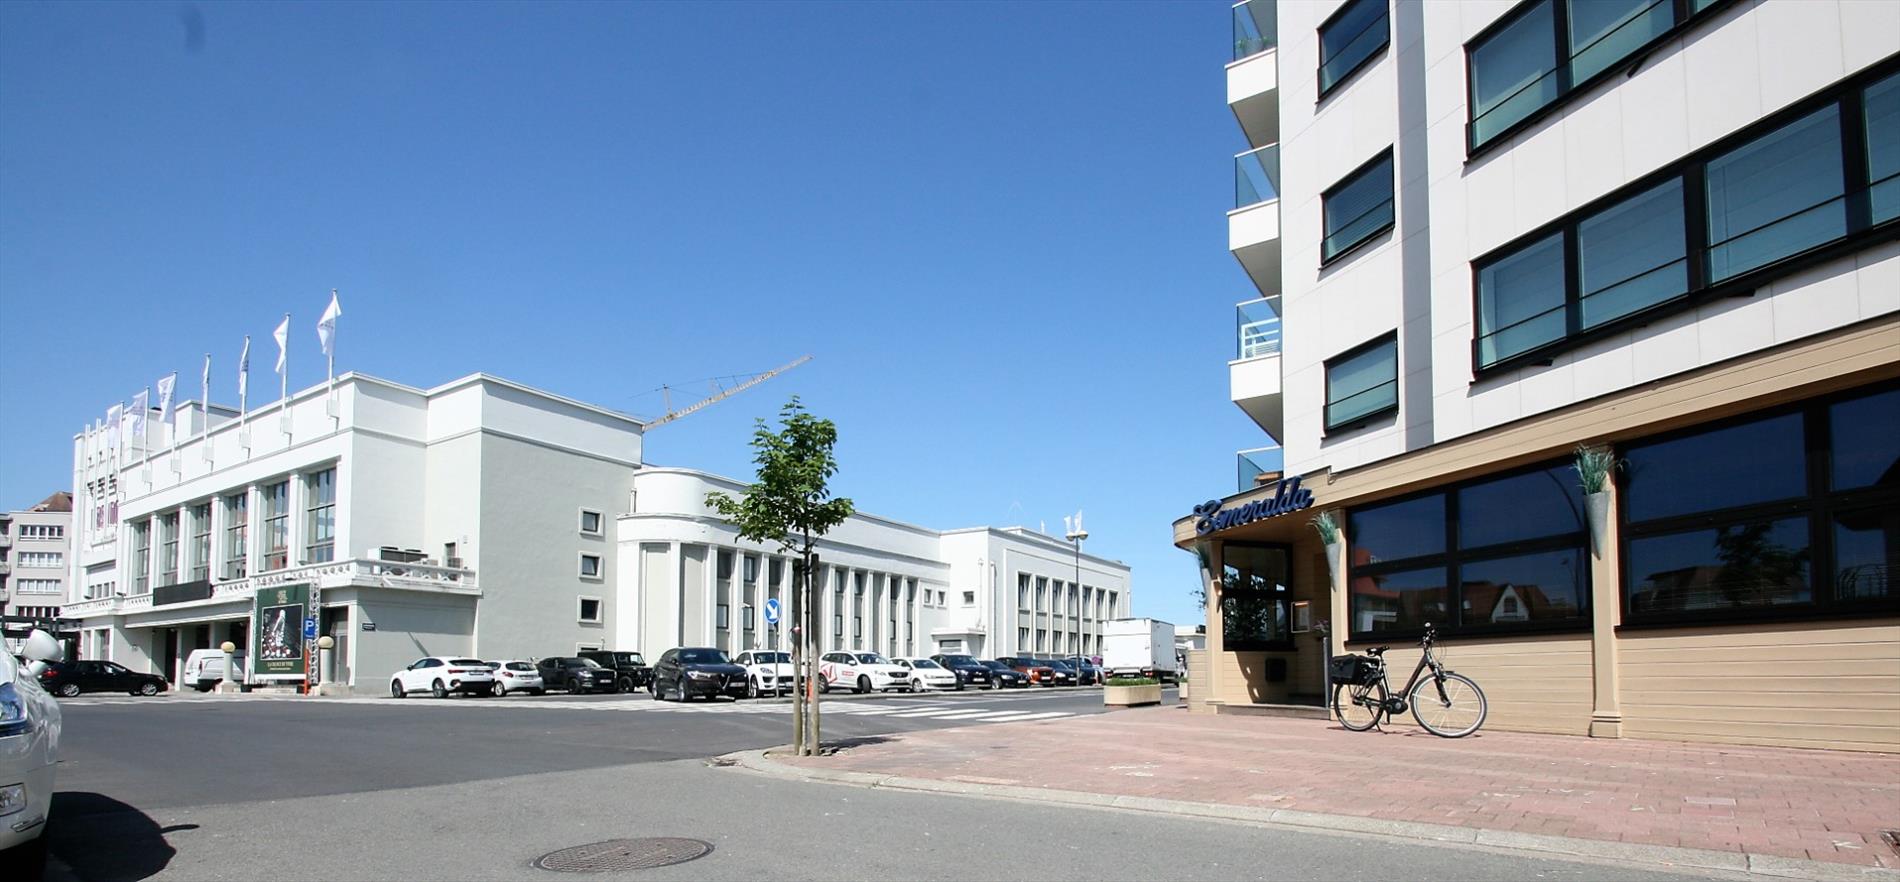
<point>1063,671</point>
<point>630,668</point>
<point>969,671</point>
<point>574,674</point>
<point>1006,677</point>
<point>696,670</point>
<point>67,679</point>
<point>1091,673</point>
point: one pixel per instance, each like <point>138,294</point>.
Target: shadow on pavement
<point>105,840</point>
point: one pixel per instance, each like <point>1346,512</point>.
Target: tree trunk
<point>817,738</point>
<point>796,620</point>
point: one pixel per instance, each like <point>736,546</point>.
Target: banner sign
<point>277,623</point>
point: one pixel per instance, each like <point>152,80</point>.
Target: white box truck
<point>1139,648</point>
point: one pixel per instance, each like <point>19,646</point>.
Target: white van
<point>204,668</point>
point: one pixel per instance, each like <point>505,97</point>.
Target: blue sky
<point>998,228</point>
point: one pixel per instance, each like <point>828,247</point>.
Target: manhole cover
<point>624,854</point>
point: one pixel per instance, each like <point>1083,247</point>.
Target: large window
<point>1350,39</point>
<point>201,541</point>
<point>168,549</point>
<point>1724,221</point>
<point>237,527</point>
<point>277,526</point>
<point>1254,602</point>
<point>1357,209</point>
<point>1498,554</point>
<point>142,556</point>
<point>1362,383</point>
<point>1789,513</point>
<point>1530,59</point>
<point>319,525</point>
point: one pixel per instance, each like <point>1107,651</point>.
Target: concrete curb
<point>1660,856</point>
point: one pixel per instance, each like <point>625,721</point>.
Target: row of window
<point>37,586</point>
<point>1049,593</point>
<point>1794,512</point>
<point>40,531</point>
<point>1046,641</point>
<point>43,559</point>
<point>1819,177</point>
<point>234,551</point>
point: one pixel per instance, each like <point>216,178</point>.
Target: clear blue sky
<point>999,228</point>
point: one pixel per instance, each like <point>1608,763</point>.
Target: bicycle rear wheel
<point>1449,708</point>
<point>1350,705</point>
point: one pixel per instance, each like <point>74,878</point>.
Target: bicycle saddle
<point>1377,650</point>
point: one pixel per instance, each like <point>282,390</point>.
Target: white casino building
<point>482,517</point>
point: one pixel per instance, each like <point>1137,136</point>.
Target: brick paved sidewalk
<point>1815,804</point>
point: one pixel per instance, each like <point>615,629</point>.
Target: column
<point>1210,581</point>
<point>1606,606</point>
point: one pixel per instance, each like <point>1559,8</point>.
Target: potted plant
<point>1594,464</point>
<point>1326,524</point>
<point>1131,691</point>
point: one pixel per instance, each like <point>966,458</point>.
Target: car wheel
<point>148,689</point>
<point>752,688</point>
<point>624,685</point>
<point>916,685</point>
<point>68,690</point>
<point>864,684</point>
<point>824,685</point>
<point>438,690</point>
<point>653,689</point>
<point>498,690</point>
<point>396,690</point>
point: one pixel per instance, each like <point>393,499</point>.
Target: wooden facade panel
<point>1691,695</point>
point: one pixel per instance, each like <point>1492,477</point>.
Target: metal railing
<point>333,574</point>
<point>1257,176</point>
<point>1254,466</point>
<point>1256,27</point>
<point>1257,329</point>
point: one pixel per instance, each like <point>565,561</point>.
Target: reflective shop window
<point>1866,441</point>
<point>1529,506</point>
<point>1734,566</point>
<point>1402,600</point>
<point>1255,603</point>
<point>1754,462</point>
<point>1545,586</point>
<point>1398,530</point>
<point>1777,195</point>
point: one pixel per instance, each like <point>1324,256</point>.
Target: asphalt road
<point>424,790</point>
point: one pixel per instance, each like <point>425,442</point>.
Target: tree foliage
<point>788,503</point>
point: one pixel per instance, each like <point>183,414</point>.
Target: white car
<point>441,675</point>
<point>515,675</point>
<point>29,753</point>
<point>766,672</point>
<point>860,672</point>
<point>204,669</point>
<point>927,674</point>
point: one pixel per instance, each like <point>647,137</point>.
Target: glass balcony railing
<point>1257,176</point>
<point>1256,28</point>
<point>1257,329</point>
<point>1259,465</point>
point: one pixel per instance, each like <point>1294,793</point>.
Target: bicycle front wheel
<point>1449,707</point>
<point>1358,707</point>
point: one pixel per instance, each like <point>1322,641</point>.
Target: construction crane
<point>720,395</point>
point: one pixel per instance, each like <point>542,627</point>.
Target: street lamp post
<point>1075,534</point>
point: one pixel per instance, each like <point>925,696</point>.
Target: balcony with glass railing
<point>1254,374</point>
<point>1259,466</point>
<point>1253,226</point>
<point>1253,77</point>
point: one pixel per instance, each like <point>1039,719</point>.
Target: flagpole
<point>204,378</point>
<point>283,376</point>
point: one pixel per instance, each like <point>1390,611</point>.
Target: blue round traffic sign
<point>771,610</point>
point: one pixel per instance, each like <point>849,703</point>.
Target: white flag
<point>115,415</point>
<point>244,370</point>
<point>141,403</point>
<point>326,326</point>
<point>283,343</point>
<point>204,384</point>
<point>165,386</point>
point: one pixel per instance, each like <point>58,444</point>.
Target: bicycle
<point>1455,708</point>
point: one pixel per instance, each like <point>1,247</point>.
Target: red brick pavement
<point>1818,804</point>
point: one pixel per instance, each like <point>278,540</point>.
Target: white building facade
<point>1481,234</point>
<point>34,550</point>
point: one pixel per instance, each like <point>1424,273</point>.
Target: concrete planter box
<point>1131,696</point>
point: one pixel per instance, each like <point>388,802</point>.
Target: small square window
<point>590,566</point>
<point>1362,383</point>
<point>969,598</point>
<point>590,522</point>
<point>589,610</point>
<point>1357,209</point>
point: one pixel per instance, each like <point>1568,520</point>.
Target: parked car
<point>1061,671</point>
<point>574,674</point>
<point>1005,676</point>
<point>67,679</point>
<point>1039,673</point>
<point>860,672</point>
<point>1091,673</point>
<point>696,670</point>
<point>630,668</point>
<point>442,676</point>
<point>515,675</point>
<point>766,672</point>
<point>29,755</point>
<point>969,671</point>
<point>204,669</point>
<point>927,674</point>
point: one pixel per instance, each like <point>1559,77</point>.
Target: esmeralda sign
<point>1289,497</point>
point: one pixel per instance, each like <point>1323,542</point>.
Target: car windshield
<point>994,665</point>
<point>628,658</point>
<point>702,657</point>
<point>583,663</point>
<point>771,658</point>
<point>1058,664</point>
<point>519,666</point>
<point>872,658</point>
<point>926,663</point>
<point>468,661</point>
<point>958,660</point>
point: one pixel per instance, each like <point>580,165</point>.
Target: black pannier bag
<point>1354,670</point>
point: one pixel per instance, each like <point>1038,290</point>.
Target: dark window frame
<point>1319,39</point>
<point>1346,180</point>
<point>1361,421</point>
<point>1818,507</point>
<point>1690,171</point>
<point>1285,602</point>
<point>1452,559</point>
<point>1686,17</point>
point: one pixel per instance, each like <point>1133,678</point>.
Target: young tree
<point>789,504</point>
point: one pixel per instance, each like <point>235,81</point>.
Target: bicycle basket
<point>1354,670</point>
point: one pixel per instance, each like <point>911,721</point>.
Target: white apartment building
<point>486,518</point>
<point>1481,234</point>
<point>33,557</point>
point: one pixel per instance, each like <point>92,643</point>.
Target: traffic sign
<point>309,627</point>
<point>771,610</point>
